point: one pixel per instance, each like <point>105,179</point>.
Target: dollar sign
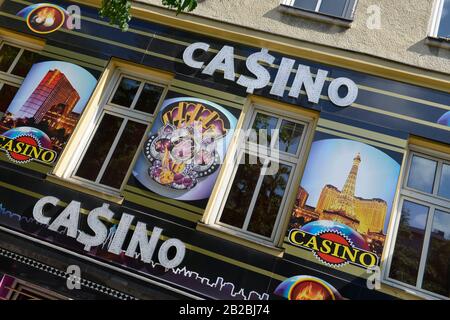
<point>261,73</point>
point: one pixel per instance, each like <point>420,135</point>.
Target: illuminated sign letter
<point>139,238</point>
<point>261,73</point>
<point>100,230</point>
<point>223,61</point>
<point>188,54</point>
<point>38,209</point>
<point>69,219</point>
<point>304,77</point>
<point>333,92</point>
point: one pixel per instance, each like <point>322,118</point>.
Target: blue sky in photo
<point>330,161</point>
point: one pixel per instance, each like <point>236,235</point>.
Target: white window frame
<point>436,18</point>
<point>430,200</point>
<point>291,160</point>
<point>127,114</point>
<point>347,13</point>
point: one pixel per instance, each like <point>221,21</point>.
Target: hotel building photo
<point>244,150</point>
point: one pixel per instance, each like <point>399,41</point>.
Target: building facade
<point>262,150</point>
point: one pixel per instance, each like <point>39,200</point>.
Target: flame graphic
<point>45,16</point>
<point>310,292</point>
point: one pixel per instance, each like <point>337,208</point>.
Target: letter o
<point>333,93</point>
<point>164,249</point>
<point>373,260</point>
<point>50,159</point>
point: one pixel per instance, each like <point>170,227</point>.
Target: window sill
<point>214,231</point>
<point>74,185</point>
<point>342,22</point>
<point>438,42</point>
<point>400,292</point>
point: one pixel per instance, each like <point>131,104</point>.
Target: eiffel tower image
<point>346,200</point>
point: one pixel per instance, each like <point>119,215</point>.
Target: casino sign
<point>335,245</point>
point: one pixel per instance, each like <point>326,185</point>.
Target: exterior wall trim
<point>345,59</point>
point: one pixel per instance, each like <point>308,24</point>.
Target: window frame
<point>127,114</point>
<point>7,78</point>
<point>435,21</point>
<point>295,162</point>
<point>347,14</point>
<point>433,202</point>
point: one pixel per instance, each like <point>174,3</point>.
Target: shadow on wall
<point>423,48</point>
<point>303,22</point>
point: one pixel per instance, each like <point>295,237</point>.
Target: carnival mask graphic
<point>184,149</point>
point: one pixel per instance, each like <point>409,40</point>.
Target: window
<point>440,23</point>
<point>335,8</point>
<point>123,121</point>
<point>421,253</point>
<point>254,202</point>
<point>15,62</point>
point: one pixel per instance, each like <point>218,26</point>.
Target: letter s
<point>38,214</point>
<point>97,226</point>
<point>261,73</point>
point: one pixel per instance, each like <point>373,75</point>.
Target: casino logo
<point>25,144</point>
<point>307,288</point>
<point>333,244</point>
<point>44,18</point>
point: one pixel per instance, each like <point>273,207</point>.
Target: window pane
<point>125,92</point>
<point>266,122</point>
<point>7,55</point>
<point>290,135</point>
<point>99,147</point>
<point>241,193</point>
<point>437,269</point>
<point>7,94</point>
<point>444,25</point>
<point>333,7</point>
<point>306,4</point>
<point>421,174</point>
<point>123,154</point>
<point>149,98</point>
<point>444,183</point>
<point>26,61</point>
<point>408,246</point>
<point>269,201</point>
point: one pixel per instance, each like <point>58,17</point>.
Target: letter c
<point>38,214</point>
<point>188,54</point>
<point>292,237</point>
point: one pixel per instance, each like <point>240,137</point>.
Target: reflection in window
<point>421,174</point>
<point>444,22</point>
<point>241,193</point>
<point>7,55</point>
<point>437,269</point>
<point>269,201</point>
<point>125,92</point>
<point>336,8</point>
<point>149,98</point>
<point>409,242</point>
<point>7,94</point>
<point>290,135</point>
<point>444,183</point>
<point>265,122</point>
<point>26,61</point>
<point>123,154</point>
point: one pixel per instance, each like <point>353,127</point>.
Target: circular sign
<point>46,19</point>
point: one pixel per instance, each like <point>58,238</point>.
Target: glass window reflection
<point>421,174</point>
